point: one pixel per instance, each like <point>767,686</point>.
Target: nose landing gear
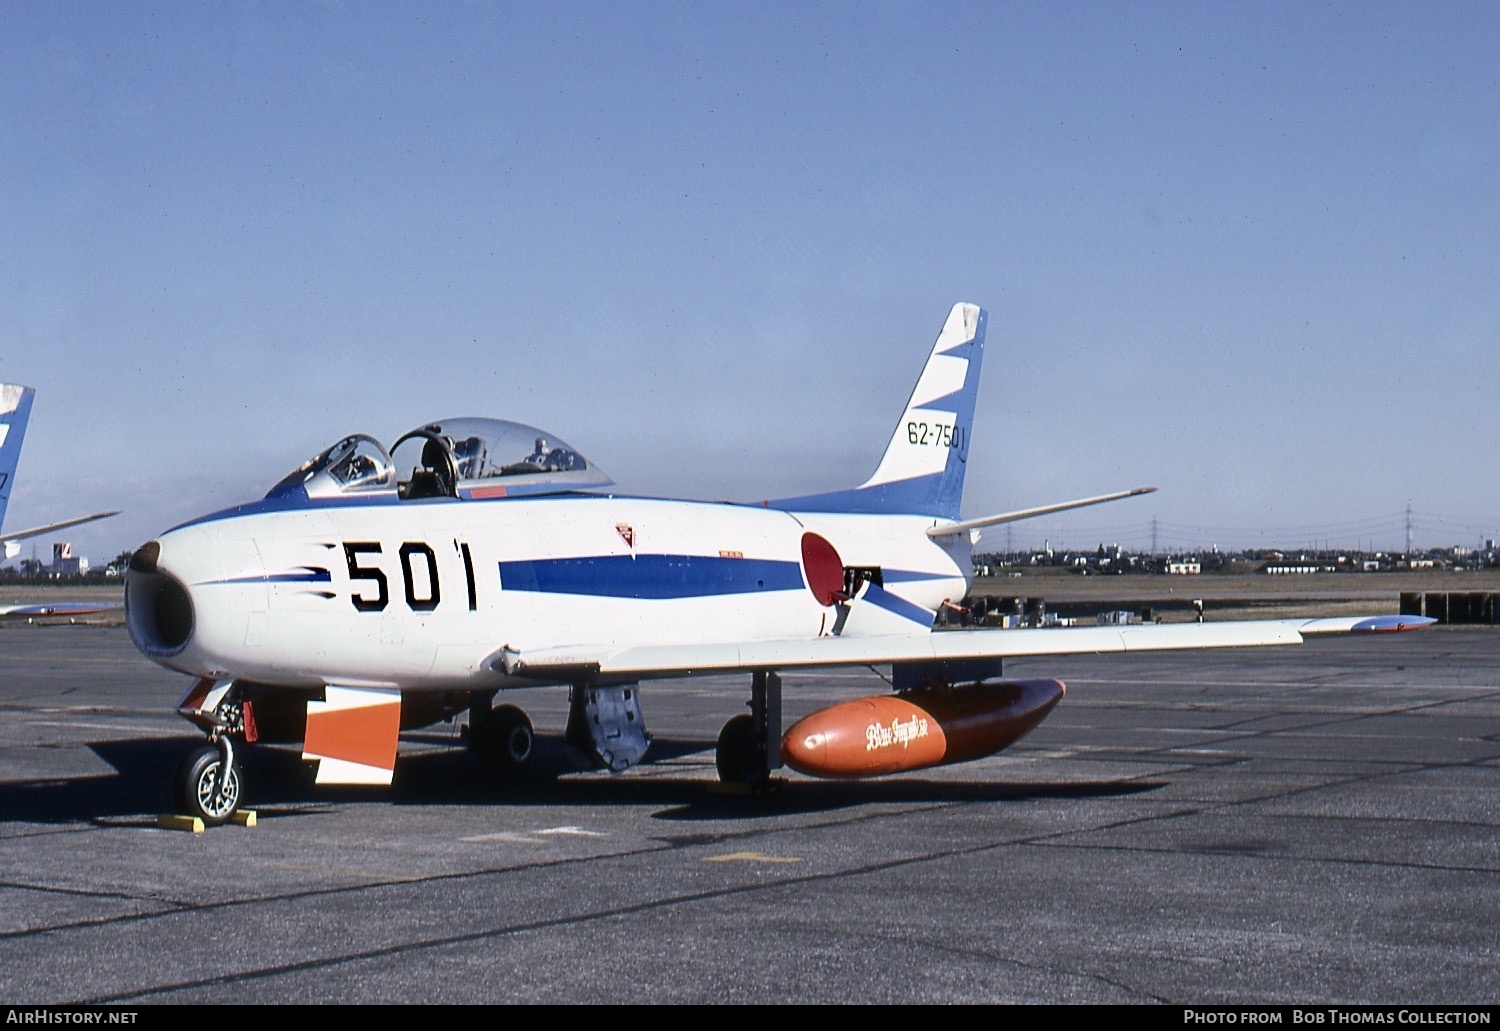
<point>207,783</point>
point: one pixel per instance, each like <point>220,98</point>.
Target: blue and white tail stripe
<point>922,470</point>
<point>15,410</point>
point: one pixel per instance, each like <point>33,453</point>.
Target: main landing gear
<point>750,744</point>
<point>500,737</point>
<point>605,730</point>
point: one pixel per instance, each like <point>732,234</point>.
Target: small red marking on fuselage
<point>627,534</point>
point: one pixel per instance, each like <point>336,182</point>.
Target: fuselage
<point>422,594</point>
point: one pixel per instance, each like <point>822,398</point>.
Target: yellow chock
<point>244,817</point>
<point>180,823</point>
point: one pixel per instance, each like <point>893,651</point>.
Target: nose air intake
<point>158,611</point>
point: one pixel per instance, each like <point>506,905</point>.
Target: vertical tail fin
<point>15,410</point>
<point>922,470</point>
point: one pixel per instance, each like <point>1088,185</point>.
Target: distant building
<point>64,563</point>
<point>1184,566</point>
<point>1298,566</point>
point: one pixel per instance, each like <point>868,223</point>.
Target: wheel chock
<point>180,823</point>
<point>244,817</point>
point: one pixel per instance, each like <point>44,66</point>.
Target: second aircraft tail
<point>15,410</point>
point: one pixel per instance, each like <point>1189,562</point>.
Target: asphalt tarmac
<point>1308,826</point>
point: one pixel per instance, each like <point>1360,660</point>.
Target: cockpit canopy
<point>461,458</point>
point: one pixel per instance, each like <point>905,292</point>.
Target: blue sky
<point>1243,252</point>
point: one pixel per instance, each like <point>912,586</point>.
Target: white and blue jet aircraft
<point>376,590</point>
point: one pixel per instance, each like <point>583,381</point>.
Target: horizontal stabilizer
<point>37,531</point>
<point>950,529</point>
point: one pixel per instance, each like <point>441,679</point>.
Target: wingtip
<point>1364,624</point>
<point>1394,624</point>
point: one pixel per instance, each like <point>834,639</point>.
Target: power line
<point>1410,528</point>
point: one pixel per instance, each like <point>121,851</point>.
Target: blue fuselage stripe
<point>650,576</point>
<point>306,575</point>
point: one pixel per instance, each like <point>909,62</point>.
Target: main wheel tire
<point>739,757</point>
<point>198,791</point>
<point>503,741</point>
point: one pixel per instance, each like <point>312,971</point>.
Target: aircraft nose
<point>158,608</point>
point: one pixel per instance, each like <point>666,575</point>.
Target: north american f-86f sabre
<point>376,590</point>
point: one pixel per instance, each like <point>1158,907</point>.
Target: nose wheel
<point>207,783</point>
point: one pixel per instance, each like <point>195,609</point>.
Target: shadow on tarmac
<point>276,777</point>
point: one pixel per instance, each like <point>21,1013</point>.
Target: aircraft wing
<point>659,661</point>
